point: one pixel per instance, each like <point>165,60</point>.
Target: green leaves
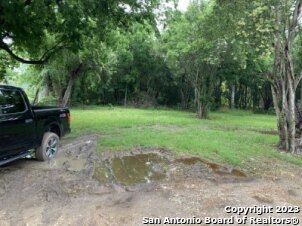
<point>29,24</point>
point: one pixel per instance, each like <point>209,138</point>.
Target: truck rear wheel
<point>49,147</point>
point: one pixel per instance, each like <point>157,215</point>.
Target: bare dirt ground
<point>80,187</point>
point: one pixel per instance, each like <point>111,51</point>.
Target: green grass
<point>233,137</point>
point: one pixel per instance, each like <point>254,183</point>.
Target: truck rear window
<point>11,101</point>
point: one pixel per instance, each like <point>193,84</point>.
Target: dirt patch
<point>80,187</point>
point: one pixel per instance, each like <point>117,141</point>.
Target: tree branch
<point>297,80</point>
<point>294,21</point>
<point>45,57</point>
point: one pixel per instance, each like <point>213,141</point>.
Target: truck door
<point>16,123</point>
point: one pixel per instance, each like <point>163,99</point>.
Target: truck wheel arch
<point>55,128</point>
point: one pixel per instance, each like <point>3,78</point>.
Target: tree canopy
<point>38,29</point>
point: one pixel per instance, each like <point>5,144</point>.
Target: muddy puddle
<point>213,167</point>
<point>132,170</point>
<point>142,168</point>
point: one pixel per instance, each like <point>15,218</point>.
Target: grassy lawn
<point>234,137</point>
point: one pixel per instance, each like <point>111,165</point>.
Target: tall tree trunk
<point>245,97</point>
<point>202,111</point>
<point>197,94</point>
<point>182,99</point>
<point>233,96</point>
<point>200,89</point>
<point>200,108</point>
<point>36,99</point>
<point>125,98</point>
<point>217,94</point>
<point>67,92</point>
<point>184,93</point>
<point>204,87</point>
<point>47,85</point>
<point>291,118</point>
<point>267,96</point>
<point>74,75</point>
<point>291,100</point>
<point>280,98</point>
<point>300,94</point>
<point>47,91</point>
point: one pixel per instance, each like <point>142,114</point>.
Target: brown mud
<point>80,187</point>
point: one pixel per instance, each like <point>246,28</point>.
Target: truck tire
<point>49,147</point>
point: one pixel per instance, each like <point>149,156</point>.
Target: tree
<point>284,79</point>
<point>270,28</point>
<point>30,26</point>
<point>196,49</point>
<point>140,71</point>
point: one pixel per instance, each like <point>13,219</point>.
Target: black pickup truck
<point>27,130</point>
